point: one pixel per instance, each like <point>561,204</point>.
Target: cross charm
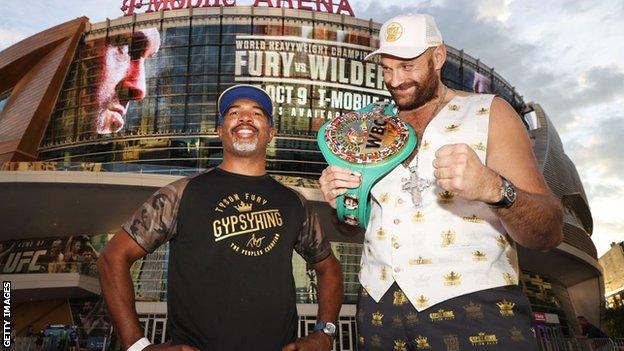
<point>416,185</point>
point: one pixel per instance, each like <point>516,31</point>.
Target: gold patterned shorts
<point>492,319</point>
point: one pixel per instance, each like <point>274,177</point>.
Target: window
<point>531,119</point>
<point>4,97</point>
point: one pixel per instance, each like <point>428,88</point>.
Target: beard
<point>245,148</point>
<point>108,121</point>
<point>110,111</point>
<point>423,92</point>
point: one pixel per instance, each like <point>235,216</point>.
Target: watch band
<point>139,344</point>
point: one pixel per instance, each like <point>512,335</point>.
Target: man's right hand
<point>168,347</point>
<point>335,181</point>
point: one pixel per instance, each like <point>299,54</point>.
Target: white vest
<point>448,246</point>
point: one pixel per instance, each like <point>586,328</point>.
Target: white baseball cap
<point>407,36</point>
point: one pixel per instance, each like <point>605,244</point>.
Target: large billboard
<point>73,254</point>
<point>310,78</point>
<point>155,80</point>
<point>110,73</point>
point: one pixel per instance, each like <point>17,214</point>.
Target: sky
<point>567,55</point>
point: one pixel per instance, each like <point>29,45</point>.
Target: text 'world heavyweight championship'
<point>371,141</point>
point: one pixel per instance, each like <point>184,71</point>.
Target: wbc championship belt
<point>371,141</point>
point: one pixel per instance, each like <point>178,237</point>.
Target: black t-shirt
<point>230,283</point>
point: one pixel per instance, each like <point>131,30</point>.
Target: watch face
<point>366,137</point>
<point>510,193</point>
<point>330,328</point>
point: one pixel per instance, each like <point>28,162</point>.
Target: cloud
<point>9,37</point>
<point>596,86</point>
<point>34,16</point>
<point>601,84</point>
<point>494,10</point>
<point>601,150</point>
<point>610,228</point>
<point>603,240</point>
<point>544,66</point>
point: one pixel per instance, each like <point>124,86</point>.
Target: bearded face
<point>122,77</point>
<point>111,108</point>
<point>246,129</point>
<point>413,93</point>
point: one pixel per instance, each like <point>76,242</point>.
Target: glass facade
<point>4,97</point>
<point>145,90</point>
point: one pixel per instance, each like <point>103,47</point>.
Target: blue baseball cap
<point>244,91</point>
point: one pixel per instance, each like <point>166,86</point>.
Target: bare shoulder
<point>501,107</point>
<point>505,122</point>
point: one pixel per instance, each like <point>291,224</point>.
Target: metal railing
<point>99,167</point>
<point>580,344</point>
<point>286,179</point>
<point>142,169</point>
<point>546,344</point>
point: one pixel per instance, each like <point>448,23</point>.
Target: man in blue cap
<point>231,233</point>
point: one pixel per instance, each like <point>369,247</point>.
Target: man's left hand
<point>317,341</point>
<point>459,170</point>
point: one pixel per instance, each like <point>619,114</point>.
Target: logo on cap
<point>393,32</point>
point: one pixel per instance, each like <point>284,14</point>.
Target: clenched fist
<point>459,170</point>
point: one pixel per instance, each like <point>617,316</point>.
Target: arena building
<point>95,117</point>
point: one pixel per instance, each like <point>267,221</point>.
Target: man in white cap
<point>231,233</point>
<point>439,266</point>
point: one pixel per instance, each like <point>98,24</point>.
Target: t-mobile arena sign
<point>130,7</point>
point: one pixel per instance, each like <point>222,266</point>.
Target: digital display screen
<point>156,81</point>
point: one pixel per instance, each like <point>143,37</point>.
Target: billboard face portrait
<point>122,77</point>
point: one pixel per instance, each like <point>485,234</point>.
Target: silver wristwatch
<point>328,328</point>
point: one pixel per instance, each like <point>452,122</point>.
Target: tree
<point>614,322</point>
